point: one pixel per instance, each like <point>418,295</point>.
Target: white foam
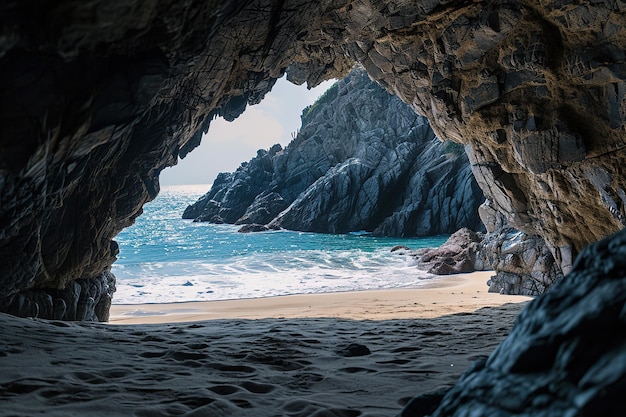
<point>166,259</point>
<point>198,281</point>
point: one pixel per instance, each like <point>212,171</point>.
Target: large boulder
<point>566,354</point>
<point>456,256</point>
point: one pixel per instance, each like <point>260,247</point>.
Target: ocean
<point>164,258</point>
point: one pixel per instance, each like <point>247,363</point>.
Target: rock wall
<point>97,98</point>
<point>524,263</point>
<point>363,160</point>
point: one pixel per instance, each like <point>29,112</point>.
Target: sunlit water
<point>164,258</point>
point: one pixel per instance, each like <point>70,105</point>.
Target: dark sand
<point>238,367</point>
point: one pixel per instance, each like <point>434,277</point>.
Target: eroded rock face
<point>458,255</point>
<point>98,98</point>
<point>363,160</point>
<point>523,264</point>
<point>566,355</point>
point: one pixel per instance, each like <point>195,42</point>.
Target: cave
<point>96,100</point>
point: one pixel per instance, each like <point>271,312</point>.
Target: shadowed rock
<point>566,354</point>
<point>456,256</point>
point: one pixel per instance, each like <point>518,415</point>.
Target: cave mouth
<point>92,112</point>
<point>97,100</point>
<point>164,258</point>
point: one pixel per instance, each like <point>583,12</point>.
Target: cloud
<point>228,144</point>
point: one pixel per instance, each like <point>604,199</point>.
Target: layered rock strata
<point>98,98</point>
<point>363,160</point>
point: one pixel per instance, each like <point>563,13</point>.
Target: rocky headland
<point>97,98</point>
<point>363,160</point>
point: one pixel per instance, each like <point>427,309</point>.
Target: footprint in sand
<point>224,389</point>
<point>255,388</point>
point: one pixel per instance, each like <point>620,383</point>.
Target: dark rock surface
<point>97,98</point>
<point>353,350</point>
<point>363,160</point>
<point>523,264</point>
<point>253,227</point>
<point>566,354</point>
<point>83,300</point>
<point>456,256</point>
<point>424,404</point>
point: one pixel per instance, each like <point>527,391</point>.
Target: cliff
<point>363,160</point>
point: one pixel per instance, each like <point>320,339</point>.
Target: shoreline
<point>445,295</point>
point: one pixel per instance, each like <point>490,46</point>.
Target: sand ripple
<point>268,367</point>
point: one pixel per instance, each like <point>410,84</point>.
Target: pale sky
<point>228,144</point>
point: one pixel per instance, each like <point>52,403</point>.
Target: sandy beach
<point>345,354</point>
<point>445,295</point>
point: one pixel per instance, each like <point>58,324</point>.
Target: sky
<point>228,144</point>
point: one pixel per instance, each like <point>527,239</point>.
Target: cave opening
<point>96,99</point>
<point>164,258</point>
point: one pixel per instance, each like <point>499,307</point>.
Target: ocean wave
<point>166,259</point>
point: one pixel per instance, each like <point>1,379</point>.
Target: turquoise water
<point>164,258</point>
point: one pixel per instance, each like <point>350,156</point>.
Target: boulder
<point>254,227</point>
<point>457,255</point>
<point>566,354</point>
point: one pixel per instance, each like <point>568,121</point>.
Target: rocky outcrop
<point>240,193</point>
<point>363,160</point>
<point>566,354</point>
<point>523,264</point>
<point>459,254</point>
<point>98,98</point>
